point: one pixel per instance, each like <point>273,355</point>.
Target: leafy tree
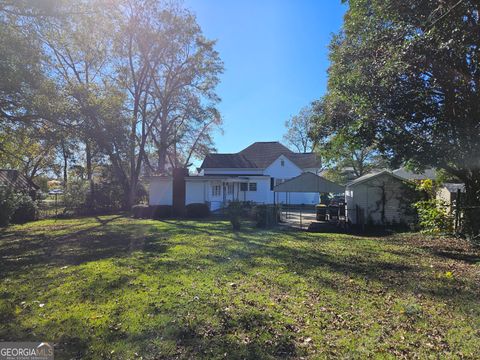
<point>30,150</point>
<point>22,78</point>
<point>299,130</point>
<point>345,154</point>
<point>404,78</point>
<point>118,85</point>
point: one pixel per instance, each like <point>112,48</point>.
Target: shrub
<point>8,204</point>
<point>433,217</point>
<point>265,215</point>
<point>161,211</point>
<point>141,211</point>
<point>108,197</point>
<point>25,211</point>
<point>76,193</point>
<point>235,211</point>
<point>197,210</point>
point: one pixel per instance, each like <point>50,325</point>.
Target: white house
<point>249,175</point>
<point>377,199</point>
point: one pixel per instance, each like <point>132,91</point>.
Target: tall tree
<point>343,152</point>
<point>298,131</point>
<point>405,77</point>
<point>184,90</point>
<point>78,48</point>
<point>129,82</point>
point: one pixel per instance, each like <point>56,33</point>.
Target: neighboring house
<point>448,193</point>
<point>410,175</point>
<point>249,175</point>
<point>14,180</point>
<point>377,199</point>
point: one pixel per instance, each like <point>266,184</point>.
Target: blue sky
<point>276,57</point>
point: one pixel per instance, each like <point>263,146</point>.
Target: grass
<point>115,287</point>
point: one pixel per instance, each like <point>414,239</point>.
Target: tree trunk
<point>65,165</point>
<point>132,194</point>
<point>162,159</point>
<point>88,155</point>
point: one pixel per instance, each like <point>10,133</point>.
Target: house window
<point>272,183</point>
<point>243,186</point>
<point>229,189</point>
<point>282,162</point>
<point>252,186</point>
<point>216,190</point>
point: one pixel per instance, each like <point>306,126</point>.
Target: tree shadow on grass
<point>236,254</point>
<point>20,250</point>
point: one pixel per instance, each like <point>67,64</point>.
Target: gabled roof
<point>410,175</point>
<point>309,182</point>
<point>14,179</point>
<point>260,155</point>
<point>227,161</point>
<point>370,176</point>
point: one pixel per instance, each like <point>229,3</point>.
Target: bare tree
<point>298,131</point>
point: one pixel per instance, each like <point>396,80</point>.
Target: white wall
<point>195,192</point>
<point>160,191</point>
<point>288,171</point>
<point>368,196</point>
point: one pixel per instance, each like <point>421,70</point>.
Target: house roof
<point>410,175</point>
<point>260,155</point>
<point>227,161</point>
<point>370,176</point>
<point>16,180</point>
<point>309,182</point>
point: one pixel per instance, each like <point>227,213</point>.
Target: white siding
<point>160,191</point>
<point>195,192</point>
<point>198,191</point>
<point>288,171</point>
<point>259,196</point>
<point>368,196</point>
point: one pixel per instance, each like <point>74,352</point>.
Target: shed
<point>378,199</point>
<point>311,183</point>
<point>448,193</point>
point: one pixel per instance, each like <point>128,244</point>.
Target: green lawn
<point>114,287</point>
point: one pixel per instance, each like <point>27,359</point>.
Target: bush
<point>26,210</point>
<point>197,210</point>
<point>141,211</point>
<point>76,194</point>
<point>161,211</point>
<point>235,211</point>
<point>265,215</point>
<point>8,204</point>
<point>433,217</point>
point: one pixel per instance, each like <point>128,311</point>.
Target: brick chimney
<point>178,192</point>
